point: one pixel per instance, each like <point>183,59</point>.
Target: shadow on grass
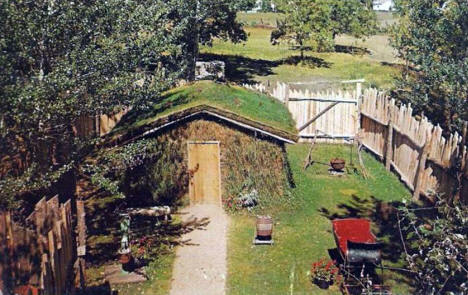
<point>383,216</point>
<point>398,66</point>
<point>242,69</point>
<point>354,50</point>
<point>309,61</point>
<point>103,223</point>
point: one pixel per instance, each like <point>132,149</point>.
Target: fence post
<point>80,265</point>
<point>421,167</point>
<point>461,172</point>
<point>358,90</point>
<point>286,93</point>
<point>389,150</point>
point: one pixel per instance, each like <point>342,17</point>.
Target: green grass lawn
<point>303,235</point>
<point>249,104</point>
<point>159,273</point>
<point>258,60</point>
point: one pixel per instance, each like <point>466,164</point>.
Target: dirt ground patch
<point>200,265</point>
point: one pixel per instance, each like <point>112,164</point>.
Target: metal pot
<point>322,284</point>
<point>125,258</point>
<point>337,164</point>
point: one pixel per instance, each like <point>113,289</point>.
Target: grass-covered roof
<point>236,103</point>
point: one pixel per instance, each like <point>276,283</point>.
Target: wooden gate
<point>326,116</point>
<point>205,172</point>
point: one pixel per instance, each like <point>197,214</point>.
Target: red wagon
<point>361,255</point>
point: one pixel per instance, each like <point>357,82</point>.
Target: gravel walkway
<point>200,265</point>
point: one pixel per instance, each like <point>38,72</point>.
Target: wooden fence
<point>424,159</point>
<point>98,125</point>
<point>334,113</point>
<point>416,149</point>
<point>41,254</point>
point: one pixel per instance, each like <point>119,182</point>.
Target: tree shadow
<point>103,224</point>
<point>242,69</point>
<point>354,50</point>
<point>309,61</point>
<point>383,216</point>
<point>398,66</point>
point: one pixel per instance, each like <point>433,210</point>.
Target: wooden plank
<point>81,227</point>
<point>342,100</point>
<point>328,136</point>
<point>373,151</point>
<point>369,116</point>
<point>420,170</point>
<point>317,116</point>
<point>389,150</point>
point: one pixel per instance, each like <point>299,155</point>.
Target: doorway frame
<point>217,142</point>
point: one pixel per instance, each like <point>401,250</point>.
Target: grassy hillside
<point>251,105</point>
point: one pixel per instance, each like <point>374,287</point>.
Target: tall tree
<point>62,60</point>
<point>305,21</point>
<point>65,59</point>
<point>316,23</point>
<point>432,37</point>
<point>211,19</point>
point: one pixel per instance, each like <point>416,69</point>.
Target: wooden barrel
<point>264,227</point>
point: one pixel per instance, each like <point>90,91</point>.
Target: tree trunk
<point>301,45</point>
<point>195,51</point>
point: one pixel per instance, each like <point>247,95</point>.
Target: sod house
<point>217,143</point>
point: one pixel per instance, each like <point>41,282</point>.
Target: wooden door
<point>205,172</point>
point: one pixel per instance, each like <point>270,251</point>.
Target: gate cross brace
<point>318,116</point>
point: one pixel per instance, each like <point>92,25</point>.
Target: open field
<point>303,235</point>
<point>258,60</point>
<point>384,19</point>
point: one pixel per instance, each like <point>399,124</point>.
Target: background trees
<point>432,38</point>
<point>316,23</point>
<point>61,60</point>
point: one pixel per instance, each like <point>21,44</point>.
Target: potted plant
<point>324,273</point>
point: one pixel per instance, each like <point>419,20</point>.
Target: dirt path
<point>200,265</point>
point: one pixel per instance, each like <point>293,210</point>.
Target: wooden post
<point>79,266</point>
<point>358,90</point>
<point>461,172</point>
<point>421,167</point>
<point>389,151</point>
<point>286,93</point>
